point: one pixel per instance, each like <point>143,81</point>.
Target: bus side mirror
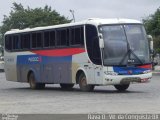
<point>149,37</point>
<point>101,41</point>
<point>150,40</point>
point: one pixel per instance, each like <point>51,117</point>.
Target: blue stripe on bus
<point>129,70</point>
<point>40,64</point>
<point>36,59</point>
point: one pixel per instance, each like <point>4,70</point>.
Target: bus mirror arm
<point>152,51</point>
<point>150,37</point>
<point>101,41</point>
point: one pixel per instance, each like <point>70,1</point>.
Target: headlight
<point>147,71</point>
<point>111,73</point>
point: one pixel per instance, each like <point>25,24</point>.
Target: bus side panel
<point>48,73</point>
<point>46,69</point>
<point>10,68</point>
<point>57,73</point>
<point>77,61</point>
<point>56,69</point>
<point>81,62</point>
<point>24,69</point>
<point>25,63</point>
<point>65,73</point>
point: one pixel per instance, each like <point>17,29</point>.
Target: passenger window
<point>49,39</point>
<point>77,36</point>
<point>36,40</point>
<point>39,40</point>
<point>25,41</point>
<point>62,37</point>
<point>16,42</point>
<point>8,42</point>
<point>46,39</point>
<point>52,39</point>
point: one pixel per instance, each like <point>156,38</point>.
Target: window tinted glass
<point>25,41</point>
<point>77,36</point>
<point>16,42</point>
<point>37,40</point>
<point>62,37</point>
<point>46,39</point>
<point>52,39</point>
<point>8,42</point>
<point>34,39</point>
<point>92,43</point>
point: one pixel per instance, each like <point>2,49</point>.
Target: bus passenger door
<point>90,73</point>
<point>94,73</point>
<point>94,54</point>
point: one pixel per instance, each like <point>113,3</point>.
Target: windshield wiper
<point>130,61</point>
<point>129,52</point>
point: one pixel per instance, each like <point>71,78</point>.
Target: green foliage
<point>0,38</point>
<point>152,25</point>
<point>20,18</point>
<point>157,43</point>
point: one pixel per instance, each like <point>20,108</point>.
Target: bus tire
<point>83,84</point>
<point>66,86</point>
<point>122,87</point>
<point>33,84</point>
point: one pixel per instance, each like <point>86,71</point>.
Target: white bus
<point>90,53</point>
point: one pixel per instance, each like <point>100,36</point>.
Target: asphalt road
<point>18,98</point>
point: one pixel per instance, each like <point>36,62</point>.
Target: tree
<point>20,18</point>
<point>152,25</point>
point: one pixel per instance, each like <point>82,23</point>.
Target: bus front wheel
<point>83,84</point>
<point>121,87</point>
<point>33,84</point>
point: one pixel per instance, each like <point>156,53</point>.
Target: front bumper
<point>126,79</point>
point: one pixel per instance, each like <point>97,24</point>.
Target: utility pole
<point>72,12</point>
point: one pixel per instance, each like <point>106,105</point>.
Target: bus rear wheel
<point>66,86</point>
<point>33,84</point>
<point>121,87</point>
<point>83,84</point>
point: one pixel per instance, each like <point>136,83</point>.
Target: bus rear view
<point>95,52</point>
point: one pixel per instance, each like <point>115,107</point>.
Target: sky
<point>83,9</point>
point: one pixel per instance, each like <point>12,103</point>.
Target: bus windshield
<point>125,44</point>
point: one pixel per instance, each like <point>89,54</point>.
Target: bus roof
<point>93,21</point>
